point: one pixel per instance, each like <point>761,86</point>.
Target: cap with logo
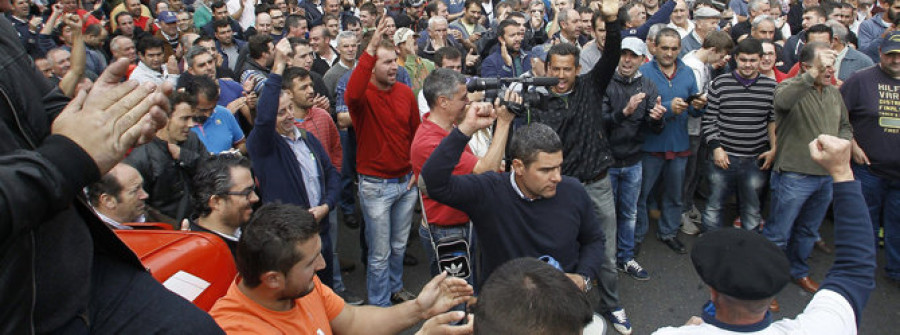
<point>891,43</point>
<point>167,17</point>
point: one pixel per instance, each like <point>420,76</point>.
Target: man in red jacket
<point>385,116</point>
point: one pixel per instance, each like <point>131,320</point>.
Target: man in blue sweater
<point>292,166</point>
<point>668,151</point>
<point>745,272</point>
<point>532,211</point>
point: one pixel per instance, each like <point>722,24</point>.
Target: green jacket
<point>418,69</point>
<point>802,113</point>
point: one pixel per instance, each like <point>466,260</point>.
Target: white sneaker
<point>695,215</point>
<point>619,321</point>
<point>688,225</point>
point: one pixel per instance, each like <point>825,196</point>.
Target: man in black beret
<point>745,271</point>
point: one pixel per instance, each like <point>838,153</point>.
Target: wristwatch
<point>587,283</point>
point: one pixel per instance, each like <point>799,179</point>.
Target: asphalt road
<point>674,293</point>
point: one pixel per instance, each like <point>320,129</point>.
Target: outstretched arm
<point>853,273</point>
<point>436,297</point>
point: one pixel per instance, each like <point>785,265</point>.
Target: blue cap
<point>167,17</point>
<point>891,43</point>
<point>540,52</point>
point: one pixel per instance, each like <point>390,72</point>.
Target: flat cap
<point>740,263</point>
<point>706,13</point>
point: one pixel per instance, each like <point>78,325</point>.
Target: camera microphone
<point>540,81</point>
<point>482,84</point>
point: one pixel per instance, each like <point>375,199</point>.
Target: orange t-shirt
<point>312,314</point>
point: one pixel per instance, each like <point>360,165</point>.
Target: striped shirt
<point>738,115</point>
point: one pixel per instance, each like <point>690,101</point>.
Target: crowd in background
<point>665,111</point>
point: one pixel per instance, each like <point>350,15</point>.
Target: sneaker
<point>634,269</point>
<point>688,225</point>
<point>350,298</point>
<point>402,296</point>
<point>619,321</point>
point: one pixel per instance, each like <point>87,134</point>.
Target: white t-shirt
<point>827,313</point>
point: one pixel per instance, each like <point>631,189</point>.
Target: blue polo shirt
<point>220,132</point>
<point>229,90</point>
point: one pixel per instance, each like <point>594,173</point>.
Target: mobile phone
<point>692,97</point>
<point>465,318</point>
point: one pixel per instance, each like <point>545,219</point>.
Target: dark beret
<point>740,263</point>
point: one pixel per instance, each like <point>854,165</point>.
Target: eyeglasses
<point>245,193</point>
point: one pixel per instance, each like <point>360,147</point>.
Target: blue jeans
<point>626,186</point>
<point>440,232</point>
<point>799,203</point>
<point>337,280</point>
<point>388,209</point>
<point>745,177</point>
<point>671,172</point>
<point>883,199</point>
<point>601,194</point>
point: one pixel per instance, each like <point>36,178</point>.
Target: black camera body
<point>492,88</point>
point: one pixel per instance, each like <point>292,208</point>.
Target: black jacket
<point>168,180</point>
<point>48,233</point>
<point>576,116</point>
<point>624,133</point>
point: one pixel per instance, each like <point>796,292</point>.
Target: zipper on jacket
<point>31,232</point>
<point>18,121</point>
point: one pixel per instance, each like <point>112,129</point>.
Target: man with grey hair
<point>569,27</point>
<point>849,60</point>
<point>200,62</point>
<point>223,197</point>
<point>346,49</point>
<point>445,92</point>
<point>754,8</point>
<point>706,20</point>
<point>437,38</point>
<point>123,47</point>
<point>651,39</point>
<point>762,28</point>
<point>533,194</point>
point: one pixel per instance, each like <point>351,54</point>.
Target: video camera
<point>492,87</point>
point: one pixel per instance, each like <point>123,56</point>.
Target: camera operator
<point>445,91</point>
<point>573,110</point>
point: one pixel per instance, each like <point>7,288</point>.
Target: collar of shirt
<point>113,223</point>
<point>348,67</point>
<point>512,180</point>
<point>839,59</point>
<point>296,135</point>
<point>168,38</point>
<point>235,238</point>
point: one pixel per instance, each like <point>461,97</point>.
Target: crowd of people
<point>520,129</point>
